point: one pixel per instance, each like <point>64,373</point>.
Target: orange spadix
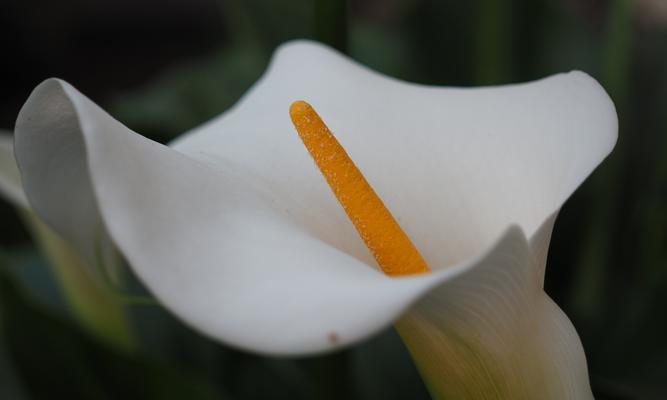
<point>391,247</point>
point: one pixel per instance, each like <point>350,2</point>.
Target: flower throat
<point>391,247</point>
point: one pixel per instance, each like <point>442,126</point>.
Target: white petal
<point>10,178</point>
<point>55,175</point>
<point>456,166</point>
<point>495,334</point>
<point>539,244</point>
<point>213,244</point>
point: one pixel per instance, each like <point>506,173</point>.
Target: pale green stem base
<point>92,304</point>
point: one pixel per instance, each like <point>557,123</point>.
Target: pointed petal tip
<point>600,102</point>
<point>299,45</point>
<point>306,54</point>
<point>38,101</point>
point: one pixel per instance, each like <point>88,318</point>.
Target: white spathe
<point>235,231</point>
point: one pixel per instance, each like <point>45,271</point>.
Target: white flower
<point>233,228</point>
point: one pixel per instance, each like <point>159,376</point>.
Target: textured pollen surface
<point>391,247</point>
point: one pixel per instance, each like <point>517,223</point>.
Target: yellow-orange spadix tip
<point>391,247</point>
<point>298,107</point>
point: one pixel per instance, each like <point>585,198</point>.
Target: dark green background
<point>162,67</point>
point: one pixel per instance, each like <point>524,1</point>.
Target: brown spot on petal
<point>333,337</point>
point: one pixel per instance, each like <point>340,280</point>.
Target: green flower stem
<point>94,306</point>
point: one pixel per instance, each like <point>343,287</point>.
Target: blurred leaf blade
<point>92,304</point>
<point>60,360</point>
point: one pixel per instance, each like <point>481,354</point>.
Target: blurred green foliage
<point>53,358</point>
<point>607,266</point>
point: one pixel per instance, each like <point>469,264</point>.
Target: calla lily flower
<point>235,231</point>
